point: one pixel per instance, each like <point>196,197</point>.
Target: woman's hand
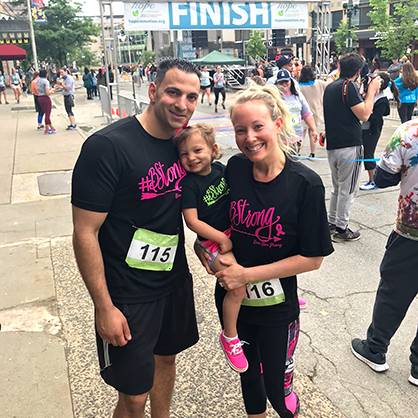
<point>225,245</point>
<point>233,276</point>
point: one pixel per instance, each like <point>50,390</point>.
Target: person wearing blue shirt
<point>407,84</point>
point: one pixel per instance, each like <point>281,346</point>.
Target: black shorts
<point>203,88</point>
<point>69,104</point>
<point>164,327</point>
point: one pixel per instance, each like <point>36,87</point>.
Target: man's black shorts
<point>164,327</point>
<point>69,104</point>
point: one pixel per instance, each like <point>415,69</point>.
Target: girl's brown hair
<point>409,76</point>
<point>205,131</point>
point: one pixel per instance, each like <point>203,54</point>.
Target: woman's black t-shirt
<point>273,221</point>
<point>209,195</point>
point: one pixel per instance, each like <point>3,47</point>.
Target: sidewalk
<point>47,357</point>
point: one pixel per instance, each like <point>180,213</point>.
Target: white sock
<point>228,338</point>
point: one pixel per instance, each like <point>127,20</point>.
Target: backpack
<point>268,71</point>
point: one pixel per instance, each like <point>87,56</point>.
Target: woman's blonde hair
<point>205,131</point>
<point>409,76</point>
<point>271,97</point>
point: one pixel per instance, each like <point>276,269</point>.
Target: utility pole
<point>32,35</point>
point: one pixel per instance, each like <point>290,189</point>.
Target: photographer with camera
<point>344,108</point>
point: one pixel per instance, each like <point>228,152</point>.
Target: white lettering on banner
<point>257,11</point>
<point>215,15</point>
<point>212,11</point>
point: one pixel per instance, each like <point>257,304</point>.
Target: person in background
<point>297,67</point>
<point>44,92</point>
<point>88,83</point>
<point>219,87</point>
<point>16,84</point>
<point>394,69</point>
<point>407,84</point>
<point>94,79</point>
<point>398,286</point>
<point>35,93</point>
<point>313,90</point>
<point>68,90</point>
<point>3,88</point>
<point>101,79</point>
<point>372,129</point>
<point>205,80</point>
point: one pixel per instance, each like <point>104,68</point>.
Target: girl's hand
<point>233,276</point>
<point>225,245</point>
<point>314,135</point>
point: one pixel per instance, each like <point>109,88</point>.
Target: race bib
<point>267,293</point>
<point>152,251</point>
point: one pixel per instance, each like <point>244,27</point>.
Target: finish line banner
<point>215,15</point>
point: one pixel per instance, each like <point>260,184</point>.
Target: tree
<point>255,45</point>
<point>398,32</point>
<point>66,35</point>
<point>147,57</point>
<point>342,37</point>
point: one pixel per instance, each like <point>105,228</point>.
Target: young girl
<point>219,87</point>
<point>205,210</point>
<point>298,108</point>
<point>372,129</point>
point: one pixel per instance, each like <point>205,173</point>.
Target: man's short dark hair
<point>350,64</point>
<point>181,64</point>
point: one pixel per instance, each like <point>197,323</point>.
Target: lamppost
<point>350,10</point>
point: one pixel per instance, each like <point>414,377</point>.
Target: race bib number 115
<point>152,251</point>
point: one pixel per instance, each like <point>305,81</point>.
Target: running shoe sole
<point>236,369</point>
<point>378,368</point>
<point>413,380</point>
<point>335,238</point>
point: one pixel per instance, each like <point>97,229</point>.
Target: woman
<point>205,80</point>
<point>34,90</point>
<point>88,83</point>
<point>279,229</point>
<point>372,129</point>
<point>407,84</point>
<point>16,84</point>
<point>219,87</point>
<point>313,90</point>
<point>94,81</point>
<point>299,109</point>
<point>44,99</point>
<point>3,88</point>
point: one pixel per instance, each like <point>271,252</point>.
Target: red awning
<point>11,52</point>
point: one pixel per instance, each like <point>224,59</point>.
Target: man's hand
<point>225,245</point>
<point>112,326</point>
<point>233,276</point>
<point>374,86</point>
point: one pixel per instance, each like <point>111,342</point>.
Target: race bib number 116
<point>152,251</point>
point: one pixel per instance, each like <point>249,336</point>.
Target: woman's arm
<point>235,275</point>
<point>203,229</point>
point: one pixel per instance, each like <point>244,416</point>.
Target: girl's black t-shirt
<point>209,195</point>
<point>135,178</point>
<point>273,221</point>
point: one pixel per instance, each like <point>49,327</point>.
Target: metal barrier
<point>105,102</point>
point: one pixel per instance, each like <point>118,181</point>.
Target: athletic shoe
<point>369,185</point>
<point>302,303</point>
<point>223,105</point>
<point>311,156</point>
<point>376,361</point>
<point>71,127</point>
<point>234,354</point>
<point>40,127</point>
<point>292,403</point>
<point>51,131</point>
<point>413,377</point>
<point>347,235</point>
<point>216,109</point>
<point>332,228</point>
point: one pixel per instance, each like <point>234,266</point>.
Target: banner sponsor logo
<point>215,15</point>
<point>38,11</point>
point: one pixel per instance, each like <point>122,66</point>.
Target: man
<point>283,62</point>
<point>344,108</point>
<point>129,243</point>
<point>67,85</point>
<point>398,285</point>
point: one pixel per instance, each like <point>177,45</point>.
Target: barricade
<point>105,102</point>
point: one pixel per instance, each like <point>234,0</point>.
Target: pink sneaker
<point>234,354</point>
<point>292,403</point>
<point>302,303</point>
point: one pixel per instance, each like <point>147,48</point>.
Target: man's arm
<point>111,323</point>
<point>364,109</point>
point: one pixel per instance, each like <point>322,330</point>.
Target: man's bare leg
<point>162,391</point>
<point>130,406</point>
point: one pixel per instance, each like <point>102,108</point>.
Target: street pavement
<point>48,366</point>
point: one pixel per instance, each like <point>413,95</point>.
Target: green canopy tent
<point>216,57</point>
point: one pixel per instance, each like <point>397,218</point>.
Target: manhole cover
<point>53,184</point>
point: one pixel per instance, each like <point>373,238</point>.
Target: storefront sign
<point>215,15</point>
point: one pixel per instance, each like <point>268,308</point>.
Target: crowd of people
<point>260,221</point>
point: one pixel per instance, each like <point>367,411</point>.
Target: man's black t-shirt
<point>209,195</point>
<point>273,221</point>
<point>342,127</point>
<point>135,178</point>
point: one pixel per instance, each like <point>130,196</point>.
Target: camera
<point>367,79</point>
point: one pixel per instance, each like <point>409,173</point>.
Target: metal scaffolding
<point>323,37</point>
